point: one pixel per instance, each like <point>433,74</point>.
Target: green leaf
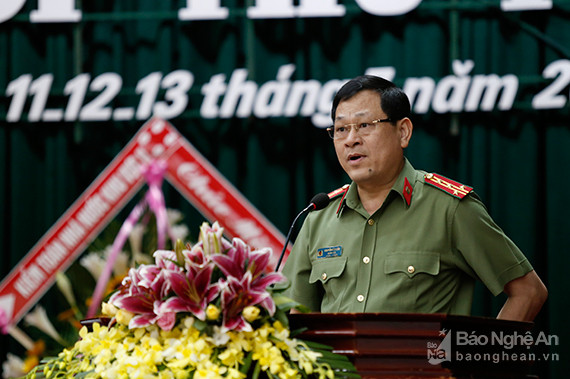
<point>84,374</point>
<point>340,364</point>
<point>256,371</point>
<point>296,332</point>
<point>246,363</point>
<point>281,317</point>
<point>286,303</point>
<point>303,309</point>
<point>346,375</point>
<point>317,346</point>
<point>48,360</point>
<point>199,325</point>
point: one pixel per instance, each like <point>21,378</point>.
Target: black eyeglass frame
<point>330,129</point>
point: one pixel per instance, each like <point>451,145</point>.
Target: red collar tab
<point>408,189</point>
<point>338,192</point>
<point>452,187</point>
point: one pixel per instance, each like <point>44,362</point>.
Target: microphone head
<point>320,201</point>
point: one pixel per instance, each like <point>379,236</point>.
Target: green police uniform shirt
<point>422,251</point>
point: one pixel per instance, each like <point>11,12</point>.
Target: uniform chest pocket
<point>325,269</point>
<point>412,264</point>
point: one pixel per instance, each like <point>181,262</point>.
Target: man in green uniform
<point>398,239</point>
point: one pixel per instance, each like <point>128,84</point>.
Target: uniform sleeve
<point>298,270</point>
<point>494,258</point>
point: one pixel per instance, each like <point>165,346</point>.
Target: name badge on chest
<point>329,252</point>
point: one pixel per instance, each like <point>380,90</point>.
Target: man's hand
<point>526,295</point>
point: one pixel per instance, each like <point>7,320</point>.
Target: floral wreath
<point>205,311</point>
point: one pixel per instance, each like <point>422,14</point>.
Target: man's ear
<point>406,129</point>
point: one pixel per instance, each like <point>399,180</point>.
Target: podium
<point>397,346</point>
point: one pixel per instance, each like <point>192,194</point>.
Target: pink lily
<point>142,293</point>
<point>238,294</point>
<point>195,258</point>
<point>240,260</point>
<point>166,259</point>
<point>193,288</point>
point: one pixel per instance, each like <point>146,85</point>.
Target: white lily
<point>21,337</point>
<point>179,232</point>
<point>94,263</point>
<point>12,367</point>
<point>121,266</point>
<point>136,242</point>
<point>136,238</point>
<point>64,286</point>
<point>39,318</point>
<point>174,216</point>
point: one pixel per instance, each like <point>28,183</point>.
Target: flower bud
<point>178,247</point>
<point>250,313</point>
<point>212,312</point>
<point>124,317</point>
<point>108,309</point>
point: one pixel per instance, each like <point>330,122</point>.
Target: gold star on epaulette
<point>450,186</point>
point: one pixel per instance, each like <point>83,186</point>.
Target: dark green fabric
<point>516,160</point>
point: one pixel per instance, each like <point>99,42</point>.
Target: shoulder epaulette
<point>447,185</point>
<point>338,192</point>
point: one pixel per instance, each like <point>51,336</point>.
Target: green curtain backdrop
<point>515,159</point>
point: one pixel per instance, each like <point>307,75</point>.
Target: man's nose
<point>353,136</point>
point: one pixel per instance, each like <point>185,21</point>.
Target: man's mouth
<point>355,157</point>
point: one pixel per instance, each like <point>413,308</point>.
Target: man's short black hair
<point>393,101</point>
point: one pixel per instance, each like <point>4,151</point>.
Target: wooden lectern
<point>389,345</point>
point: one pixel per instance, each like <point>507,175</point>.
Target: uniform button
<point>370,222</point>
<point>366,260</point>
<point>360,298</point>
<point>324,276</point>
<point>411,269</point>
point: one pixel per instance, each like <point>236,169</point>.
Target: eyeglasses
<point>340,132</point>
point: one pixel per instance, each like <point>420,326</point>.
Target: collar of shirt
<point>403,187</point>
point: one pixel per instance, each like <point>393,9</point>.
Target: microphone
<point>319,201</point>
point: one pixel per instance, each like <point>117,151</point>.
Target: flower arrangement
<point>150,225</point>
<point>205,311</point>
<point>54,322</point>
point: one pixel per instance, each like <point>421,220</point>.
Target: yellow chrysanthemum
<point>235,374</point>
<point>209,370</point>
<point>269,357</point>
<point>118,352</point>
<point>231,357</point>
<point>289,373</point>
<point>241,341</point>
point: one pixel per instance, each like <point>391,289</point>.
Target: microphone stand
<point>319,201</point>
<point>306,210</point>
